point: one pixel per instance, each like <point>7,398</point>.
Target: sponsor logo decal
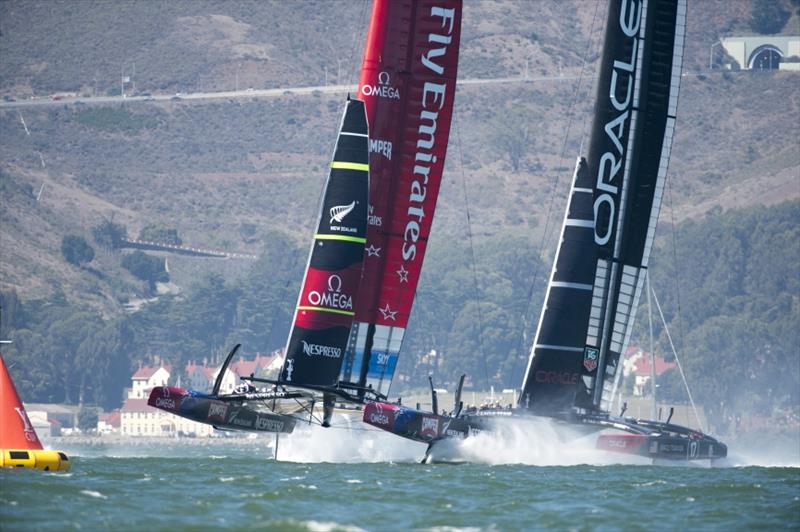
<point>165,401</point>
<point>383,89</point>
<point>373,218</point>
<point>265,423</point>
<point>433,100</point>
<point>340,211</point>
<point>383,147</point>
<point>590,356</point>
<point>618,443</point>
<point>383,359</point>
<point>289,369</point>
<point>430,426</point>
<point>239,422</point>
<point>321,350</point>
<point>30,434</point>
<point>608,168</point>
<point>217,411</point>
<point>556,377</point>
<point>379,417</point>
<point>333,297</point>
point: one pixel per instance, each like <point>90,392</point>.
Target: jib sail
<point>611,217</point>
<point>408,83</point>
<point>327,302</point>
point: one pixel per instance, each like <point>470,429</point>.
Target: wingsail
<point>329,294</point>
<point>613,209</point>
<point>408,82</point>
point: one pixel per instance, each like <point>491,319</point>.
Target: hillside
<point>245,174</point>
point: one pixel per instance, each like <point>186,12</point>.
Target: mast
<point>654,406</point>
<point>408,83</point>
<point>610,222</point>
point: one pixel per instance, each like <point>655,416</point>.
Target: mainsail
<point>327,302</point>
<point>610,222</point>
<point>408,83</point>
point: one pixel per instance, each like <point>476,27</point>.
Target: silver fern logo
<point>340,211</point>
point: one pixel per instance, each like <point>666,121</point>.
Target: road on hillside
<point>248,93</point>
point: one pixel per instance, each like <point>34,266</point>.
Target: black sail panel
<point>660,75</point>
<point>613,208</point>
<point>326,306</point>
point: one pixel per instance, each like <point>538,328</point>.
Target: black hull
<point>221,414</point>
<point>650,439</point>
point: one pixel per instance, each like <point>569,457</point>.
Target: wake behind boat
<point>601,263</point>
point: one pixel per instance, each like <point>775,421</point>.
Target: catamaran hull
<point>663,447</point>
<point>658,441</point>
<point>420,426</point>
<point>223,415</point>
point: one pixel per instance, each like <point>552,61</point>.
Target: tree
<point>109,234</point>
<point>160,233</point>
<point>768,17</point>
<point>87,418</point>
<point>146,267</point>
<point>76,250</point>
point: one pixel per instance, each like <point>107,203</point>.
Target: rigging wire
<point>675,354</point>
<point>472,251</point>
<point>548,216</point>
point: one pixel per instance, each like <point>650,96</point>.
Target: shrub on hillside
<point>160,233</point>
<point>146,267</point>
<point>76,250</point>
<point>109,234</point>
<point>768,17</point>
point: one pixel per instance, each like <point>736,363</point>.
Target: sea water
<point>374,481</point>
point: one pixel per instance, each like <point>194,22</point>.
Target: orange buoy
<point>19,443</point>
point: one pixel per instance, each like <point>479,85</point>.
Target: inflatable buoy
<point>35,459</point>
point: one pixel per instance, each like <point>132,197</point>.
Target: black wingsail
<point>610,222</point>
<point>326,306</point>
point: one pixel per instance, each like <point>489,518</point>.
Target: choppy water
<point>198,486</point>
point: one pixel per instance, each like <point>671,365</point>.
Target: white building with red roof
<point>109,422</point>
<point>639,364</point>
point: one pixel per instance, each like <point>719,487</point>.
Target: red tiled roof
<point>136,405</point>
<point>145,372</point>
<point>111,418</point>
<point>642,365</point>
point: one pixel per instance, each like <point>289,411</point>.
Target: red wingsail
<point>408,83</point>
